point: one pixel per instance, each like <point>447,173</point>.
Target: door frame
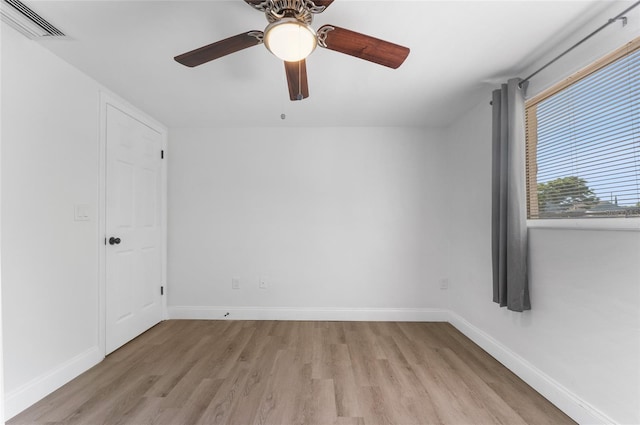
<point>106,98</point>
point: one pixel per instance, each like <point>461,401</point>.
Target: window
<point>583,142</point>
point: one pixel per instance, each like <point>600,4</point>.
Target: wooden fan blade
<point>220,48</point>
<point>259,4</point>
<point>362,46</point>
<point>321,3</point>
<point>297,79</point>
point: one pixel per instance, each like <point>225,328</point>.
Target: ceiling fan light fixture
<point>290,39</point>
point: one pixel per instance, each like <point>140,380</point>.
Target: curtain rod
<point>609,22</point>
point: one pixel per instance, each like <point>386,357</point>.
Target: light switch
<point>81,212</point>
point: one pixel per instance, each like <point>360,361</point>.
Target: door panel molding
<point>106,99</point>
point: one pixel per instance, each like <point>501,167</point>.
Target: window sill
<point>609,224</point>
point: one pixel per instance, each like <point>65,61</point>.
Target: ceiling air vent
<point>25,20</point>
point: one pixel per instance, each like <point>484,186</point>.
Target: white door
<point>133,228</point>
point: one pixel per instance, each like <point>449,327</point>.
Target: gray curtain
<point>509,205</point>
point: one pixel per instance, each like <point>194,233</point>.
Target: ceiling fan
<point>290,37</point>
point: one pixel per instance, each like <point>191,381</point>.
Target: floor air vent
<point>25,20</point>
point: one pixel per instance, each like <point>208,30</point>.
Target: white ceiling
<point>459,51</point>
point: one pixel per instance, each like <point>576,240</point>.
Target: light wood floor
<point>327,373</point>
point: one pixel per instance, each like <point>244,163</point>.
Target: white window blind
<point>583,144</point>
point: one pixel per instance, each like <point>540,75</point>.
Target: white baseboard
<point>24,396</point>
<point>311,314</point>
<point>579,410</point>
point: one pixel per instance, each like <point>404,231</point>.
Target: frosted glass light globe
<point>290,39</point>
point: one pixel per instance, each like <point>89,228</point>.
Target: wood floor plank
<point>176,379</point>
<point>450,407</point>
<point>345,387</point>
<point>492,402</point>
<point>229,357</point>
<point>322,404</point>
<point>283,393</point>
<point>95,411</point>
<point>304,347</point>
<point>196,372</point>
<point>254,346</point>
<point>197,403</point>
<point>362,360</point>
<point>409,391</point>
<point>349,421</point>
<point>321,357</point>
<point>372,401</point>
<point>246,408</point>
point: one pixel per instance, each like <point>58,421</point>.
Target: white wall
<point>583,329</point>
<point>610,38</point>
<point>580,343</point>
<point>49,261</point>
<point>334,218</point>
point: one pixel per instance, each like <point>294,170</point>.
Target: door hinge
<point>162,290</point>
<point>162,154</point>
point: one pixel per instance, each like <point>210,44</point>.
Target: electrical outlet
<point>235,283</point>
<point>444,284</point>
<point>262,283</point>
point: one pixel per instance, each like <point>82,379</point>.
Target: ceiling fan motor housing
<point>302,10</point>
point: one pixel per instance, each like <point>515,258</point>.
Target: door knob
<point>114,241</point>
